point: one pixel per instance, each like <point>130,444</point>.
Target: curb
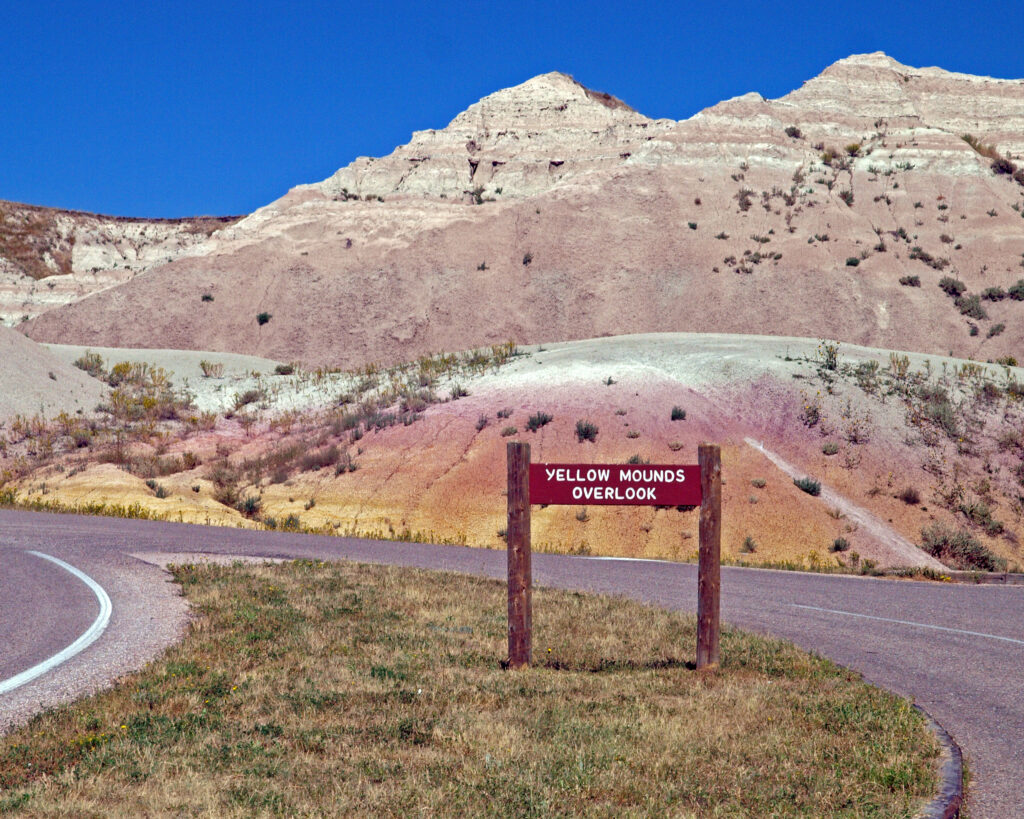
<point>950,799</point>
<point>988,578</point>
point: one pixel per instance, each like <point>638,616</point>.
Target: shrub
<point>226,495</point>
<point>852,261</point>
<point>482,422</point>
<point>250,506</point>
<point>507,431</point>
<point>979,513</point>
<point>840,544</point>
<point>692,225</point>
<point>527,258</point>
<point>346,464</point>
<point>970,306</point>
<point>952,287</point>
<point>959,549</point>
<point>828,352</point>
<point>207,297</point>
<point>995,330</point>
<point>793,132</point>
<point>92,363</point>
<point>830,448</point>
<point>458,391</point>
<point>262,318</point>
<point>313,461</point>
<point>909,496</point>
<point>847,196</point>
<point>749,545</point>
<point>243,399</point>
<point>910,281</point>
<point>1002,165</point>
<point>678,414</point>
<point>586,431</point>
<point>211,370</point>
<point>937,408</point>
<point>505,413</point>
<point>760,483</point>
<point>284,369</point>
<point>993,294</point>
<point>637,460</point>
<point>1017,291</point>
<point>538,420</point>
<point>808,485</point>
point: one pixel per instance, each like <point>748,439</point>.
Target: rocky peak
<point>548,101</point>
<point>518,141</point>
<point>872,87</point>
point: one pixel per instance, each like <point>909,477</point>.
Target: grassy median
<point>345,689</point>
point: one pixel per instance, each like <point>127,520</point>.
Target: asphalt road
<point>956,650</point>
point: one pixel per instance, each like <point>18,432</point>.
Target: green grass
<point>308,688</point>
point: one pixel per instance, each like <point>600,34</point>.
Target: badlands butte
<point>829,284</point>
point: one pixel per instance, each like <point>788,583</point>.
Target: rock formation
<point>51,257</point>
<point>547,211</point>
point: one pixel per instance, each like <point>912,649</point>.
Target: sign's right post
<point>709,557</point>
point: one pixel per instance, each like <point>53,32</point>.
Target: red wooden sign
<point>615,484</point>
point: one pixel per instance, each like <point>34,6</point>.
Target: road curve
<point>956,650</point>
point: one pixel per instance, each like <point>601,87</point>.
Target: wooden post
<point>709,562</point>
<point>520,605</point>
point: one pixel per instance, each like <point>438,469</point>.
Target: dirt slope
<point>34,381</point>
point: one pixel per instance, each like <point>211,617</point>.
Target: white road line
<point>625,559</point>
<point>88,637</point>
<point>912,623</point>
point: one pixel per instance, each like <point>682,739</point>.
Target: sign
<point>606,484</point>
<point>660,485</point>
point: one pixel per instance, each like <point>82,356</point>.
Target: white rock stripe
<point>904,552</point>
<point>87,638</point>
<point>911,623</point>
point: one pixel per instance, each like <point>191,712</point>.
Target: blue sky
<point>187,108</point>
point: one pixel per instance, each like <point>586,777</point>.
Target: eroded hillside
<point>852,208</point>
<point>51,257</point>
<point>893,452</point>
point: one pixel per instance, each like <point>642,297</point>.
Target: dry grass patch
<point>346,689</point>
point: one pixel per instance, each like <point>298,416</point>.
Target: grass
<point>365,690</point>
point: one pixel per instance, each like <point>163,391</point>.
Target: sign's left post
<point>520,602</point>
